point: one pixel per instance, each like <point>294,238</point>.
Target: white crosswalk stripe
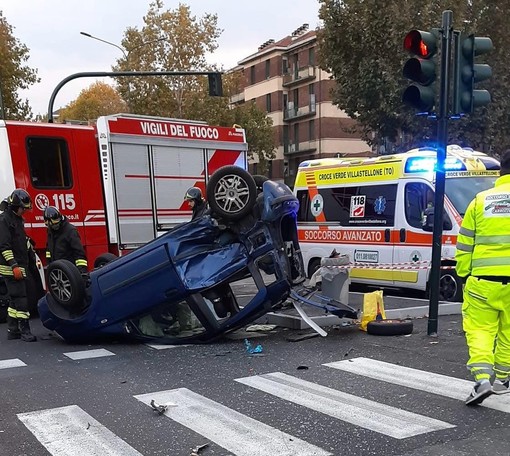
<point>228,428</point>
<point>356,410</point>
<point>88,354</point>
<point>8,363</point>
<point>429,382</point>
<point>69,431</point>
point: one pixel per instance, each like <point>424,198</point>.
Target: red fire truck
<point>120,182</point>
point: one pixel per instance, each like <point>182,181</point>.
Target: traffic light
<point>421,69</point>
<point>215,85</point>
<point>467,73</point>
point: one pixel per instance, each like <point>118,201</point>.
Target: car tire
<point>66,285</point>
<point>313,265</point>
<point>259,182</point>
<point>104,259</point>
<point>450,286</point>
<point>231,193</point>
<point>390,327</point>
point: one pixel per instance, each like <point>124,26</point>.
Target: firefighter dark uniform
<point>483,261</point>
<point>14,263</point>
<point>63,242</point>
<point>195,199</point>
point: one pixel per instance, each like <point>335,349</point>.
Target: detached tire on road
<point>390,327</point>
<point>66,285</point>
<point>104,259</point>
<point>231,193</point>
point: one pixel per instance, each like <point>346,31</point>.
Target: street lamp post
<point>125,52</point>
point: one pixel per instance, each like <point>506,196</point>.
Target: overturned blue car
<point>178,287</point>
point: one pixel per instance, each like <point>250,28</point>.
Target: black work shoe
<point>480,392</point>
<point>26,335</point>
<point>11,335</point>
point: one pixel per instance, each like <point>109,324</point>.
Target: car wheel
<point>450,286</point>
<point>259,182</point>
<point>65,284</point>
<point>390,327</point>
<point>104,259</point>
<point>231,193</point>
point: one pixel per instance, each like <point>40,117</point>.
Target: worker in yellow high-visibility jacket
<point>483,261</point>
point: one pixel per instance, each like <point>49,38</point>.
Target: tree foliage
<point>99,99</point>
<point>361,44</point>
<point>14,73</point>
<point>176,40</point>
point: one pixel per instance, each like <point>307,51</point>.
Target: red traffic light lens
<point>422,44</point>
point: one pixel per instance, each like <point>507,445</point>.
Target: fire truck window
<point>48,160</point>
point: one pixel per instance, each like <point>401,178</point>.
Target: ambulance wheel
<point>450,286</point>
<point>66,285</point>
<point>259,182</point>
<point>390,327</point>
<point>231,193</point>
<point>104,259</point>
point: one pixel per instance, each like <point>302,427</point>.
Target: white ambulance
<point>372,209</point>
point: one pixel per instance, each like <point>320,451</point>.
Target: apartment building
<point>284,79</point>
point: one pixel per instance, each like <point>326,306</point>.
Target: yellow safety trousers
<point>486,315</point>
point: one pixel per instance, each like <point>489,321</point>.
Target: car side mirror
<point>428,220</point>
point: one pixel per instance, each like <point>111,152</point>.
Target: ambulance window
<point>48,160</point>
<point>417,197</point>
<point>371,205</point>
<point>304,214</point>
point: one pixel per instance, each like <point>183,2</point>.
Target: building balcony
<point>305,146</point>
<point>294,113</point>
<point>237,98</point>
<point>303,74</point>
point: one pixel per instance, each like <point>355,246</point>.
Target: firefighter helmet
<point>20,198</point>
<point>193,193</point>
<point>52,217</point>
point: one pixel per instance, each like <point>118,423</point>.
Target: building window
<point>268,102</point>
<point>311,89</point>
<point>296,135</point>
<point>268,68</point>
<point>311,56</point>
<point>285,65</point>
<point>252,74</point>
<point>311,130</point>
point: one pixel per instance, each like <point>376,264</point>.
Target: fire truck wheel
<point>231,193</point>
<point>390,327</point>
<point>259,182</point>
<point>65,284</point>
<point>104,259</point>
<point>450,286</point>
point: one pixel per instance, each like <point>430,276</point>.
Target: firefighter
<point>63,241</point>
<point>483,262</point>
<point>14,263</point>
<point>196,201</point>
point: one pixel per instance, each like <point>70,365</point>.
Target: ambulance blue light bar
<point>428,164</point>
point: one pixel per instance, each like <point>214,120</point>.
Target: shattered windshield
<point>462,190</point>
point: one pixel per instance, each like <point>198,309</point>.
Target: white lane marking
<point>86,354</point>
<point>420,380</point>
<point>70,431</point>
<point>8,363</point>
<point>356,410</point>
<point>164,347</point>
<point>237,433</point>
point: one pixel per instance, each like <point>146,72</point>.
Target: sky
<point>51,31</point>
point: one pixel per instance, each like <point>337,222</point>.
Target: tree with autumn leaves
<point>14,74</point>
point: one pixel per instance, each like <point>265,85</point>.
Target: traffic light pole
<point>442,141</point>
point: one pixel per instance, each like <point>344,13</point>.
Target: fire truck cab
<point>121,182</point>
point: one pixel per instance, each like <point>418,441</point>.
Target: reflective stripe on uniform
<point>465,247</point>
<point>492,240</point>
<point>7,270</point>
<point>81,263</point>
<point>8,255</point>
<point>467,232</point>
<point>498,261</point>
